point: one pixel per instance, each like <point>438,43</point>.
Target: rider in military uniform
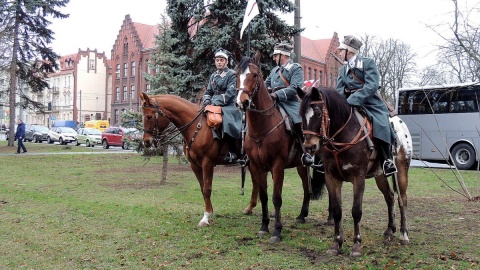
<point>359,81</point>
<point>282,83</point>
<point>221,92</point>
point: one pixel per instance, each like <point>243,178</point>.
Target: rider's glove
<point>273,96</point>
<point>207,102</point>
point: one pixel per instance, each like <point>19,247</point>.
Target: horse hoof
<point>333,252</point>
<point>301,220</point>
<point>404,242</point>
<point>275,239</point>
<point>262,233</point>
<point>202,224</point>
<point>330,222</point>
<point>355,254</point>
<point>247,212</point>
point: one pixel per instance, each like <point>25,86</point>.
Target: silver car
<point>89,136</point>
<point>62,135</point>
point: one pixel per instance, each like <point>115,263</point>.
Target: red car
<point>116,136</point>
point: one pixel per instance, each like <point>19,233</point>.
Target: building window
<point>147,88</point>
<point>125,46</point>
<point>320,78</point>
<point>117,94</point>
<point>116,116</point>
<point>147,66</point>
<point>124,93</point>
<point>133,68</point>
<point>309,73</point>
<point>117,71</point>
<point>125,69</point>
<point>315,75</point>
<point>132,92</point>
<point>92,63</point>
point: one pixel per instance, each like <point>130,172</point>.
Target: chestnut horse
<point>270,146</point>
<point>332,131</point>
<point>200,148</point>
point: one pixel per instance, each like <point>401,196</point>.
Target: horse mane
<point>243,64</point>
<point>337,104</point>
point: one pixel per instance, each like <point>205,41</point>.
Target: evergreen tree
<point>200,30</point>
<point>26,22</point>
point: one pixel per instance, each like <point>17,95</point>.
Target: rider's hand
<point>207,102</point>
<point>273,96</point>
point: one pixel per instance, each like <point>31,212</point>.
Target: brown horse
<point>269,145</point>
<point>332,131</point>
<point>200,148</point>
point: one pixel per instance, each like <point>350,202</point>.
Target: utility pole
<point>297,48</point>
<point>80,117</point>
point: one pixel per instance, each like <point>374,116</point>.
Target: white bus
<point>443,119</point>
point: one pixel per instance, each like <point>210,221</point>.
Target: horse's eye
<point>149,117</point>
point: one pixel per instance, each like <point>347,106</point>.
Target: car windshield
<point>67,130</point>
<point>128,130</point>
<point>94,132</point>
<point>41,128</point>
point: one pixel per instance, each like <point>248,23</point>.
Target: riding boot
<point>306,159</point>
<point>232,149</point>
<point>389,167</point>
<point>318,164</point>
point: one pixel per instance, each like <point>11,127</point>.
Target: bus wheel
<point>463,156</point>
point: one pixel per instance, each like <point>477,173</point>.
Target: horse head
<point>155,121</point>
<point>249,81</point>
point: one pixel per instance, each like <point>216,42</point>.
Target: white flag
<point>250,13</point>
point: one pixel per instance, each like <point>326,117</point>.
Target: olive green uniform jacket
<point>221,90</point>
<point>365,95</point>
<point>287,95</point>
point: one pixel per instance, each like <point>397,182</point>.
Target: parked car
<point>7,132</point>
<point>116,136</point>
<point>62,135</point>
<point>36,133</point>
<point>89,136</point>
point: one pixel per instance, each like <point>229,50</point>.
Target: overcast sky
<point>95,24</point>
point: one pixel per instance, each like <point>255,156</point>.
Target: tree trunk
<point>13,84</point>
<point>163,179</point>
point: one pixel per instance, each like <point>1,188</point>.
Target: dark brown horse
<point>333,131</point>
<point>200,148</point>
<point>269,145</point>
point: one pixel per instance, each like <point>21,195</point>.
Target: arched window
<point>132,73</point>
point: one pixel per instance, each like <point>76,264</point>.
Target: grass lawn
<point>108,211</point>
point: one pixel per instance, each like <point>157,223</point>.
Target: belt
<point>351,91</point>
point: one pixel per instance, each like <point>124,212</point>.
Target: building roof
<point>146,34</point>
<point>316,50</point>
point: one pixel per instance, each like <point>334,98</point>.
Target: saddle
<point>214,116</point>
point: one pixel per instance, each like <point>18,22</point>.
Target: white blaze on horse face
<point>309,115</point>
<point>243,76</point>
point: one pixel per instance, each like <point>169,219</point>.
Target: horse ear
<point>314,93</point>
<point>145,98</point>
<point>300,92</point>
<point>256,58</point>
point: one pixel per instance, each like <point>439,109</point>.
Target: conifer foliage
<point>26,22</point>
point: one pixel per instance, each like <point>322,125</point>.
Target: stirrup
<point>307,160</point>
<point>244,161</point>
<point>231,157</point>
<point>389,167</point>
<point>319,167</point>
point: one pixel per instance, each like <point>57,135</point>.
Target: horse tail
<point>318,182</point>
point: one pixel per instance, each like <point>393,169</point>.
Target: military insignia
<point>223,74</point>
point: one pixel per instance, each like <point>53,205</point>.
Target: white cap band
<point>281,52</point>
<point>221,54</point>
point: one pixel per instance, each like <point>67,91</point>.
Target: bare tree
<point>395,61</point>
<point>460,53</point>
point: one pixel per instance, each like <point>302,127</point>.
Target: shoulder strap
<point>283,78</point>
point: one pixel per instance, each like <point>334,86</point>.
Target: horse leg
<point>389,196</point>
<point>259,177</point>
<point>303,173</point>
<point>334,188</point>
<point>330,221</point>
<point>253,199</point>
<point>402,178</point>
<point>204,176</point>
<point>278,176</point>
<point>358,190</point>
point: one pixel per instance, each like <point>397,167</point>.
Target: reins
<point>155,132</point>
<point>329,143</point>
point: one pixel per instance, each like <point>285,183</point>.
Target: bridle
<point>253,92</point>
<point>156,133</point>
<point>329,142</point>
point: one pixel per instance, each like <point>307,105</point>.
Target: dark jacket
<point>364,95</point>
<point>221,90</point>
<point>20,131</point>
<point>287,95</point>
